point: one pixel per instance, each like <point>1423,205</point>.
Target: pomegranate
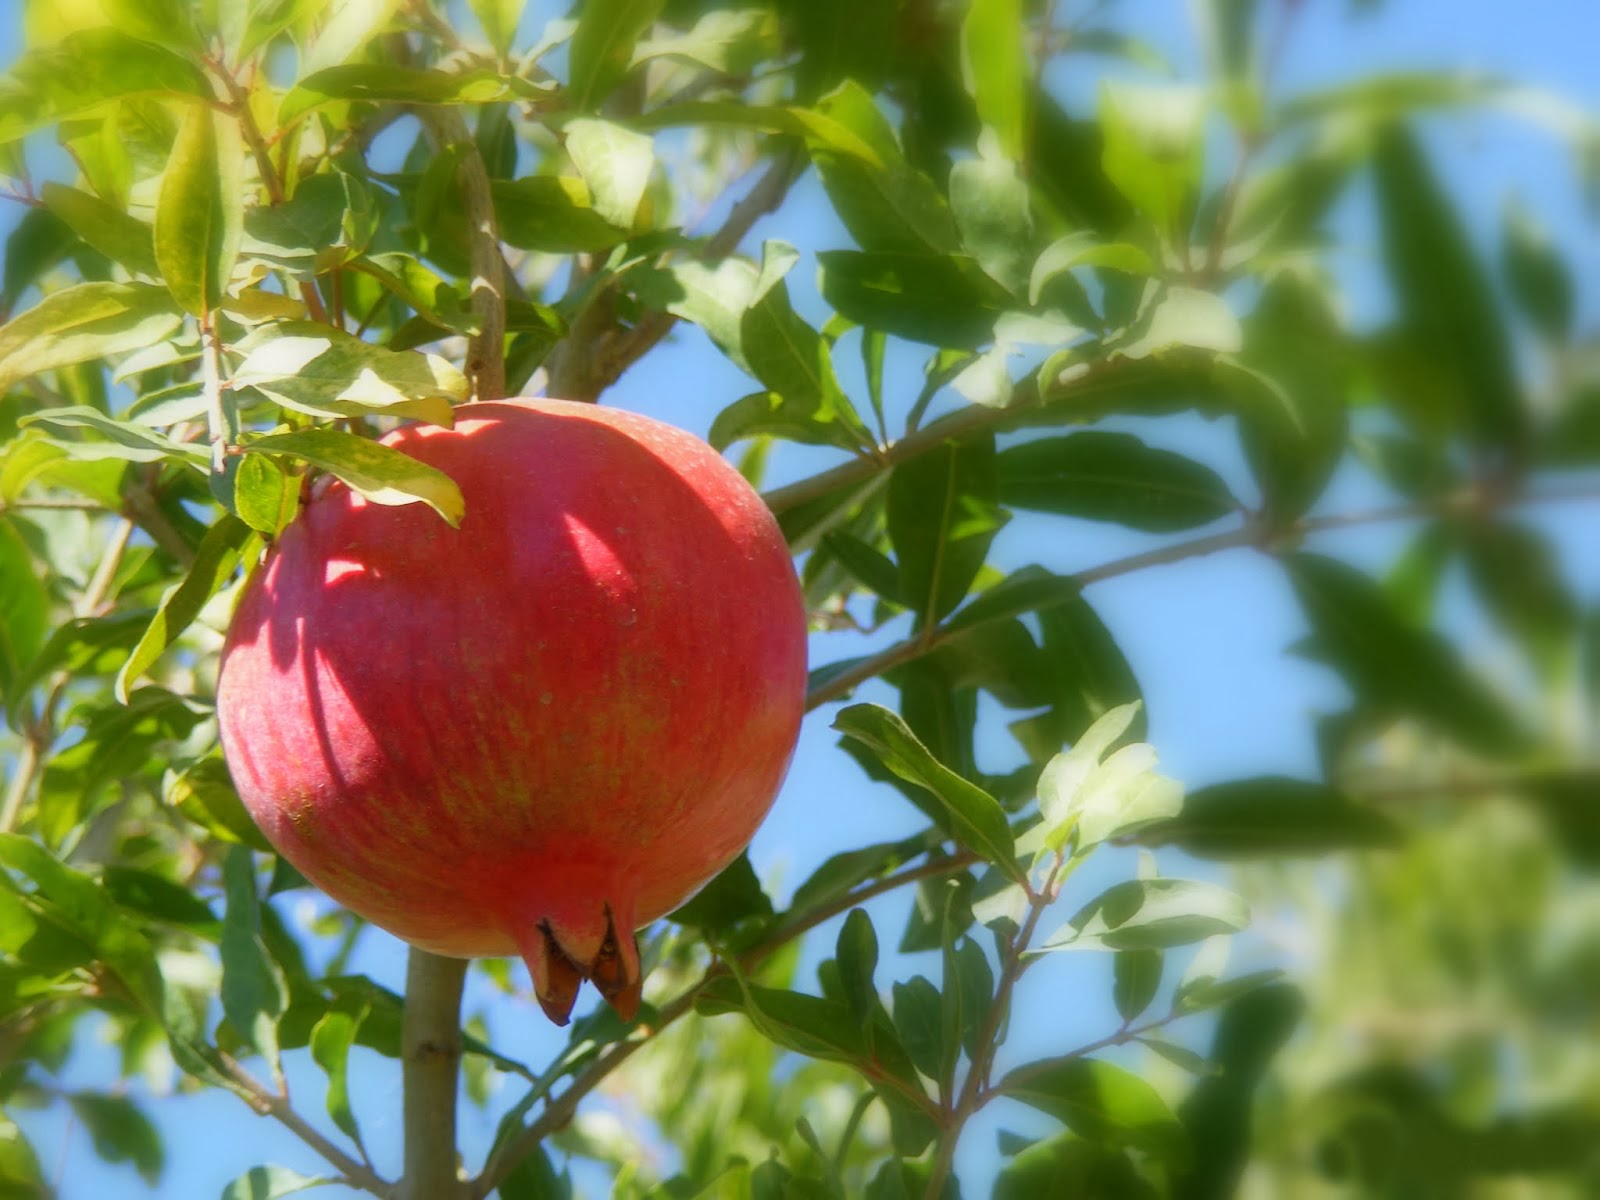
<point>535,733</point>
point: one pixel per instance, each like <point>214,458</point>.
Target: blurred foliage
<point>249,241</point>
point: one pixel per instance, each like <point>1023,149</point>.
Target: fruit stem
<point>430,1044</point>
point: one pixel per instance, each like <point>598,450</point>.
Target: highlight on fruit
<point>536,732</point>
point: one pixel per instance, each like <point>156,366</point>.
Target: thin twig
<point>620,350</point>
<point>268,1103</point>
<point>239,106</point>
<point>975,1087</point>
<point>1248,534</point>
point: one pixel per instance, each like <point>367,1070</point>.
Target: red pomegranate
<point>539,731</point>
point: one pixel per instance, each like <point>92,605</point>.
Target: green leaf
<point>204,793</point>
<point>885,203</point>
<point>124,439</point>
<point>917,1020</point>
<point>1091,801</point>
<point>1390,664</point>
<point>269,18</point>
<point>1457,329</point>
<point>1292,396</point>
<point>215,560</point>
<point>734,894</point>
<point>80,907</point>
<point>941,299</point>
<point>86,69</point>
<point>856,953</point>
<point>253,992</point>
<point>161,899</point>
<point>1519,578</point>
<point>997,71</point>
<point>265,496</point>
<point>1153,149</point>
<point>200,209</point>
<point>326,223</point>
<point>942,517</point>
<point>841,41</point>
<point>1136,977</point>
<point>24,605</point>
<point>121,1132</point>
<point>499,19</point>
<point>1540,281</point>
<point>1101,1102</point>
<point>728,41</point>
<point>19,1166</point>
<point>104,226</point>
<point>805,1024</point>
<point>382,82</point>
<point>1084,248</point>
<point>815,126</point>
<point>164,22</point>
<point>1184,318</point>
<point>1220,1112</point>
<point>380,473</point>
<point>963,810</point>
<point>1272,816</point>
<point>317,369</point>
<point>602,48</point>
<point>989,199</point>
<point>615,163</point>
<point>331,1039</point>
<point>269,1183</point>
<point>1230,29</point>
<point>83,322</point>
<point>552,213</point>
<point>1067,1165</point>
<point>866,563</point>
<point>1112,477</point>
<point>1151,914</point>
<point>38,243</point>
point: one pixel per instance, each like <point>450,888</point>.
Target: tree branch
<point>430,1047</point>
<point>1251,533</point>
<point>974,1088</point>
<point>601,363</point>
<point>239,106</point>
<point>269,1104</point>
<point>486,350</point>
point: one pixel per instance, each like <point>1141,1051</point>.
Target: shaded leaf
<point>380,473</point>
<point>1112,477</point>
<point>942,517</point>
<point>602,48</point>
<point>253,991</point>
<point>1102,1103</point>
<point>214,563</point>
<point>1271,815</point>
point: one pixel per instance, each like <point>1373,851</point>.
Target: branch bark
<point>1251,533</point>
<point>486,350</point>
<point>269,1104</point>
<point>430,1047</point>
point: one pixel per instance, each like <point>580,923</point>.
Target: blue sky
<point>1207,638</point>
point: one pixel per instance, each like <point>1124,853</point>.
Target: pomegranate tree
<point>536,732</point>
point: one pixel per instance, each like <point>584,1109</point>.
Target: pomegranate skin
<point>537,732</point>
